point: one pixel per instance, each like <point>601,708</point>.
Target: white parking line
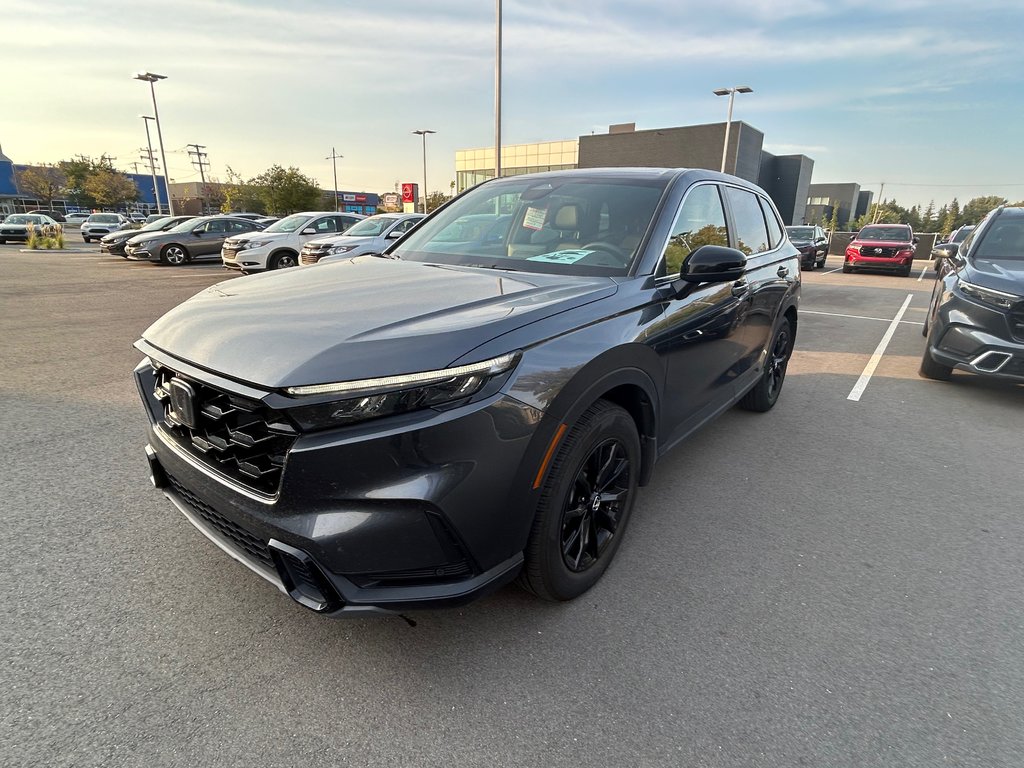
<point>921,276</point>
<point>869,369</point>
<point>831,271</point>
<point>857,317</point>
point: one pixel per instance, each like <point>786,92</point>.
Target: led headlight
<point>996,299</point>
<point>341,248</point>
<point>255,243</point>
<point>385,396</point>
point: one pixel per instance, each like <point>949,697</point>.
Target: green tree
<point>976,209</point>
<point>286,190</point>
<point>110,188</point>
<point>833,223</point>
<point>42,183</point>
<point>240,195</point>
<point>949,221</point>
<point>928,217</point>
<point>435,200</point>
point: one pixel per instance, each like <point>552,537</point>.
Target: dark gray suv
<point>417,429</point>
<point>976,318</point>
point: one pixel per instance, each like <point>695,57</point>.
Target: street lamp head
<point>149,77</point>
<point>421,133</point>
<point>736,89</point>
<point>147,117</point>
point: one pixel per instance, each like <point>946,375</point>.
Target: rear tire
<point>585,503</point>
<point>765,393</point>
<point>933,370</point>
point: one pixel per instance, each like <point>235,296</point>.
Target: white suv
<point>371,236</point>
<point>278,246</point>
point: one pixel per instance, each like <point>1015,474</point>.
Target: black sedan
<point>115,242</point>
<point>415,430</point>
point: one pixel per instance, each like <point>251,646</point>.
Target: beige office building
<point>475,165</point>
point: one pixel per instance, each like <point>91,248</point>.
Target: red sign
<point>360,198</point>
<point>408,193</point>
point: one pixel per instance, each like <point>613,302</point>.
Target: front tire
<point>847,270</point>
<point>933,370</point>
<point>173,255</point>
<point>765,393</point>
<point>585,503</point>
<point>86,239</point>
<point>283,260</point>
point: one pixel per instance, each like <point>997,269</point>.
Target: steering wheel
<point>611,250</point>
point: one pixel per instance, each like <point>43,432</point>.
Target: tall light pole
<point>152,165</point>
<point>424,133</point>
<point>151,78</point>
<point>497,91</point>
<point>731,93</point>
<point>334,157</point>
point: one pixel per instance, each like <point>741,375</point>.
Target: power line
<point>199,161</point>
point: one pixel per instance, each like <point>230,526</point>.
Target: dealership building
<point>786,178</point>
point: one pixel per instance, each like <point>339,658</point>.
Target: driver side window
<point>700,221</point>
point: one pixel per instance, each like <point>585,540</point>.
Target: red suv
<point>882,246</point>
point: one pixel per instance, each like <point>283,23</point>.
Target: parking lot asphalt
<point>834,583</point>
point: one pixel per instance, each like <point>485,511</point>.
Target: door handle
<point>783,271</point>
<point>740,288</point>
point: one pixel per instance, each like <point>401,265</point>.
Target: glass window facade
<point>473,166</point>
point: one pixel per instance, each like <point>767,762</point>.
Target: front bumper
<point>141,253</point>
<point>894,264</point>
<point>245,259</point>
<point>975,338</point>
<point>117,249</point>
<point>404,513</point>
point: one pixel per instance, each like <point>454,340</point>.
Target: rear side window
<point>751,233</point>
<point>700,221</point>
<point>1004,239</point>
<point>774,227</point>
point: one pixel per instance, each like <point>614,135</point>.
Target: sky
<point>924,95</point>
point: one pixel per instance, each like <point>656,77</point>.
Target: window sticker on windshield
<point>534,218</point>
<point>561,257</point>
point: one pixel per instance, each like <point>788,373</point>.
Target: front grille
<point>1017,321</point>
<point>234,533</point>
<point>309,258</point>
<point>238,437</point>
<point>873,251</point>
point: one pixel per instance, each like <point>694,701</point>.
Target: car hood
<point>358,318</point>
<point>801,242</point>
<point>1006,275</point>
<point>117,237</point>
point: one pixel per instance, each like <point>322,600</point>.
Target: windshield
<point>899,234</point>
<point>104,218</point>
<point>1004,239</point>
<point>800,233</point>
<point>961,234</point>
<point>23,219</point>
<point>292,223</point>
<point>573,225</point>
<point>156,225</point>
<point>370,227</point>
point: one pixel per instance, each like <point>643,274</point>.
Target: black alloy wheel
<point>594,506</point>
<point>585,502</point>
<point>765,393</point>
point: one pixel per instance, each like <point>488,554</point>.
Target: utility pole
<point>135,166</point>
<point>198,157</point>
<point>881,191</point>
<point>334,157</point>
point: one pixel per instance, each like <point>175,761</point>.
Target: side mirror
<point>309,231</point>
<point>394,234</point>
<point>197,231</point>
<point>713,264</point>
<point>916,240</point>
